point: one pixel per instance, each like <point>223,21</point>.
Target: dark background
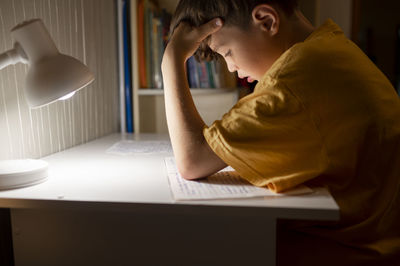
<point>376,29</point>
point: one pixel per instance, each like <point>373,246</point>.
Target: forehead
<point>227,35</point>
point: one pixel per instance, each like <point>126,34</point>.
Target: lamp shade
<point>51,79</point>
<point>51,75</point>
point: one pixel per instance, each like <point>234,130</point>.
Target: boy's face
<point>251,53</point>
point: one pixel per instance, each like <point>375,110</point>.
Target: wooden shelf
<point>207,91</point>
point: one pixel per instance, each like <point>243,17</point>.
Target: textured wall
<point>85,29</point>
<point>338,10</point>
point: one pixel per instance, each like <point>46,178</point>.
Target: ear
<point>266,18</point>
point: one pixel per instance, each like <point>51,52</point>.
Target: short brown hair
<point>232,12</point>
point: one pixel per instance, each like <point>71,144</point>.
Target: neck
<point>297,29</point>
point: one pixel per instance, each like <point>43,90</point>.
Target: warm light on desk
<point>51,76</point>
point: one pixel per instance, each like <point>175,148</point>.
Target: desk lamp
<point>51,76</point>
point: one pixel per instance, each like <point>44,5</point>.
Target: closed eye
<point>229,53</point>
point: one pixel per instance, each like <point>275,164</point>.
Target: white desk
<point>103,209</point>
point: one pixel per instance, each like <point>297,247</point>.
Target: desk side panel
<point>43,237</point>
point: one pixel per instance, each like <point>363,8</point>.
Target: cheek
<point>251,65</point>
<point>247,58</point>
<point>257,65</point>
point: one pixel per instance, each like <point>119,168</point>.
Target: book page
<point>130,147</point>
<point>222,185</point>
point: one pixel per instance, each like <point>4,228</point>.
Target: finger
<point>209,28</point>
<point>180,27</point>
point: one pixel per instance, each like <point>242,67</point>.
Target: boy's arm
<point>194,157</point>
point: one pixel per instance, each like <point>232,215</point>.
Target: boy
<point>321,113</point>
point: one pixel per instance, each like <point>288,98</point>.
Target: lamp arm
<point>13,56</point>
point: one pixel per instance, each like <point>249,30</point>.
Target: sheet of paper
<point>222,185</point>
<point>130,147</point>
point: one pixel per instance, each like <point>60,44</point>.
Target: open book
<point>222,185</point>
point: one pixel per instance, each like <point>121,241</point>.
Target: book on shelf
<point>127,77</point>
<point>141,45</point>
<point>203,74</point>
<point>153,29</point>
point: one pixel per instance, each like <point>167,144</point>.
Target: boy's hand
<point>186,39</point>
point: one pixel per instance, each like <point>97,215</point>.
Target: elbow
<point>188,171</point>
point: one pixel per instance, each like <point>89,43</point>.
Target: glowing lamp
<point>51,76</point>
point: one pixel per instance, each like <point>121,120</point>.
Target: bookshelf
<point>202,91</point>
<point>148,103</point>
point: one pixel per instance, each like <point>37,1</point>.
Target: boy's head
<point>241,18</point>
<point>233,12</point>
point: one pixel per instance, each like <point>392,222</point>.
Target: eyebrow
<point>216,49</point>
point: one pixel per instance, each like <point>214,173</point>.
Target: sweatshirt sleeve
<point>270,139</point>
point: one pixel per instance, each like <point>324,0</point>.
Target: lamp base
<point>22,173</point>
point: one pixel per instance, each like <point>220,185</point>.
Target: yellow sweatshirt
<point>324,114</point>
